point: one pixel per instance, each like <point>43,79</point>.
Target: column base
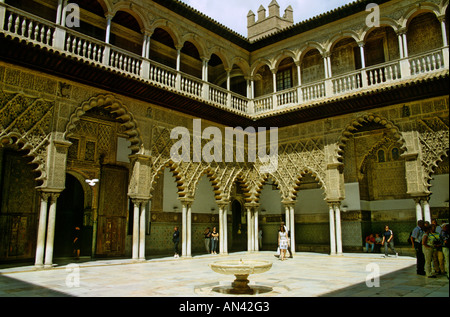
<point>39,267</point>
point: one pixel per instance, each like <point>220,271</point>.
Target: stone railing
<point>16,23</point>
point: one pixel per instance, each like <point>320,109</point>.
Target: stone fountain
<point>241,270</point>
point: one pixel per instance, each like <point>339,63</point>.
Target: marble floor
<point>305,275</point>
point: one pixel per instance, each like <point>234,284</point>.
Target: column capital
<point>187,201</point>
<point>402,31</point>
<point>288,203</point>
<point>334,203</point>
<point>109,15</point>
<point>223,203</point>
<point>251,205</point>
<point>326,54</point>
<point>138,201</point>
<point>442,18</point>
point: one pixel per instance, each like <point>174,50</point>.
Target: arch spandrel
<point>25,123</point>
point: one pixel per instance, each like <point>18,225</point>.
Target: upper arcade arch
<point>133,10</point>
<point>286,54</point>
<point>343,35</point>
<point>414,11</point>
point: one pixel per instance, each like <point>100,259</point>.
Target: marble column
<point>184,230</point>
<point>178,65</point>
<point>287,217</point>
<point>142,230</point>
<point>444,31</point>
<point>249,230</point>
<point>256,230</point>
<point>58,11</point>
<point>426,209</point>
<point>332,230</point>
<point>292,219</point>
<point>221,229</point>
<point>337,213</point>
<point>363,55</point>
<point>51,231</point>
<point>400,45</point>
<point>109,17</point>
<point>419,215</point>
<point>189,231</point>
<point>40,246</point>
<point>136,213</point>
<point>405,45</point>
<point>225,232</point>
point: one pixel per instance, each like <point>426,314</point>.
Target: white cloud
<point>233,13</point>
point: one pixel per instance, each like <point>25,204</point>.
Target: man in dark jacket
<point>176,241</point>
<point>416,242</point>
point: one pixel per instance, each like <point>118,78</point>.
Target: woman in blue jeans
<point>214,241</point>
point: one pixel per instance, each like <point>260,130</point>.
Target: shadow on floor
<point>402,283</point>
<point>10,287</point>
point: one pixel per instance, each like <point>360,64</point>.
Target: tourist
<point>283,242</point>
<point>416,241</point>
<point>427,251</point>
<point>438,227</point>
<point>288,237</point>
<point>176,241</point>
<point>378,243</point>
<point>370,243</point>
<point>388,241</point>
<point>445,243</point>
<point>207,235</point>
<point>76,243</point>
<point>214,241</point>
<point>260,235</point>
<point>437,255</point>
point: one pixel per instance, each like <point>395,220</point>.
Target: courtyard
<point>304,275</point>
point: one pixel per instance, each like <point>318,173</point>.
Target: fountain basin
<point>241,270</point>
<point>239,267</point>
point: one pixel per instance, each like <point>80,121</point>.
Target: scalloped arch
<point>115,106</point>
<point>359,122</point>
<point>24,145</point>
<point>295,190</point>
<point>438,158</point>
<point>175,169</point>
<point>212,177</point>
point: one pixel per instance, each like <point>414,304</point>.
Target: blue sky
<point>233,13</point>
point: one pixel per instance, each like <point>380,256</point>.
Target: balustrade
<point>31,28</point>
<point>25,26</point>
<point>428,62</point>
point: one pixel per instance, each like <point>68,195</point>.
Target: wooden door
<point>112,213</point>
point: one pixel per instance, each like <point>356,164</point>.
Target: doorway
<point>70,214</point>
<point>239,230</point>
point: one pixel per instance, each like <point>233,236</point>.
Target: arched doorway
<point>70,214</point>
<point>239,230</point>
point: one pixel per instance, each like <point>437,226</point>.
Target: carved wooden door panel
<point>114,235</point>
<point>112,213</point>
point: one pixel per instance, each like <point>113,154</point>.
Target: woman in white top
<point>283,242</point>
